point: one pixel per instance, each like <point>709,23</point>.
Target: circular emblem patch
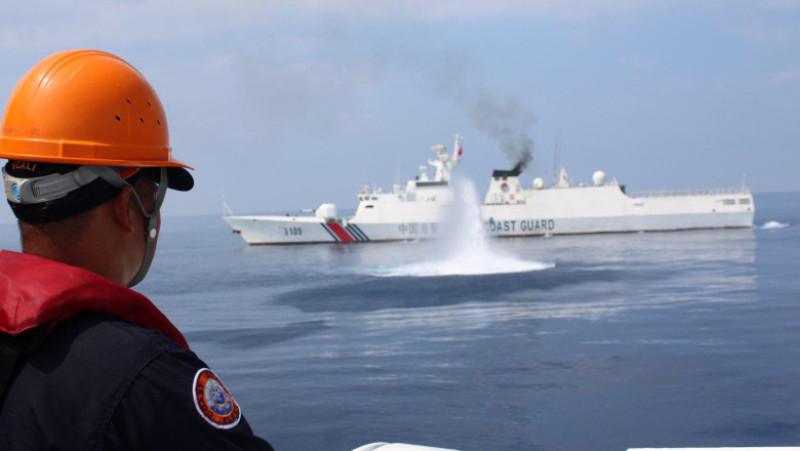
<point>213,401</point>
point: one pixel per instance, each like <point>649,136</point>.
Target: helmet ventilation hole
<point>159,122</point>
<point>149,104</point>
<point>118,118</point>
<point>141,119</point>
<point>128,100</point>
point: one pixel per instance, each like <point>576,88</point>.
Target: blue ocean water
<point>612,341</point>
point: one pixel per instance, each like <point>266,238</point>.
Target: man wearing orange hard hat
<point>86,362</point>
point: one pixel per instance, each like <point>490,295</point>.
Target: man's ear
<point>121,209</point>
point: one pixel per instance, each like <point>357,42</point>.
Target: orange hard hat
<point>86,107</point>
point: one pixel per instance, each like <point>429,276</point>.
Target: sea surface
<point>599,342</point>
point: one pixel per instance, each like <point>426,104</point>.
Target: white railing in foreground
<point>690,192</point>
<point>382,446</point>
<point>768,448</point>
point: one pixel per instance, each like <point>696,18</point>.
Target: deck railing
<point>691,192</point>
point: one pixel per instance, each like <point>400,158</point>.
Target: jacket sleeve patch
<point>213,401</point>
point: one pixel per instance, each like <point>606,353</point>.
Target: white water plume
<point>466,248</point>
<point>775,225</point>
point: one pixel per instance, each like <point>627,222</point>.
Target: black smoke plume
<point>525,158</point>
<point>507,122</point>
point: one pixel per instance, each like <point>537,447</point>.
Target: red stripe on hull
<point>340,232</point>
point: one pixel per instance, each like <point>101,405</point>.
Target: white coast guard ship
<point>605,207</point>
<point>406,213</point>
<point>416,210</point>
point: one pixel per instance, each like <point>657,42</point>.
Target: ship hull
<point>505,227</point>
<point>608,210</point>
<point>281,229</point>
<point>500,221</point>
<point>258,230</point>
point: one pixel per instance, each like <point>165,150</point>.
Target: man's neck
<point>97,255</point>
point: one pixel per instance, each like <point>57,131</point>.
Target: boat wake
<point>466,250</point>
<point>775,225</point>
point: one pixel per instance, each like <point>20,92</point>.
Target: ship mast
<point>443,162</point>
<point>457,149</point>
<point>556,160</point>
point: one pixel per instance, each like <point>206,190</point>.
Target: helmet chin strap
<point>150,217</point>
<point>151,227</point>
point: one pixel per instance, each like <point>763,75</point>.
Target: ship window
<point>370,206</point>
<point>728,201</point>
<point>744,201</point>
<point>374,198</point>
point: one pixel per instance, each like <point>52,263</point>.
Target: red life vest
<point>36,290</point>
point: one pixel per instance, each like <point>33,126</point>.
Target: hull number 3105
<point>292,231</point>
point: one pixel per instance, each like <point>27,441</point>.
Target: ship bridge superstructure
<point>376,204</point>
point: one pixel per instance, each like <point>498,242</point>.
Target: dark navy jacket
<point>99,383</point>
<point>107,371</point>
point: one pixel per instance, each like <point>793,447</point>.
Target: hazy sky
<point>288,104</point>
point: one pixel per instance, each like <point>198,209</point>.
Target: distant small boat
<point>416,210</point>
